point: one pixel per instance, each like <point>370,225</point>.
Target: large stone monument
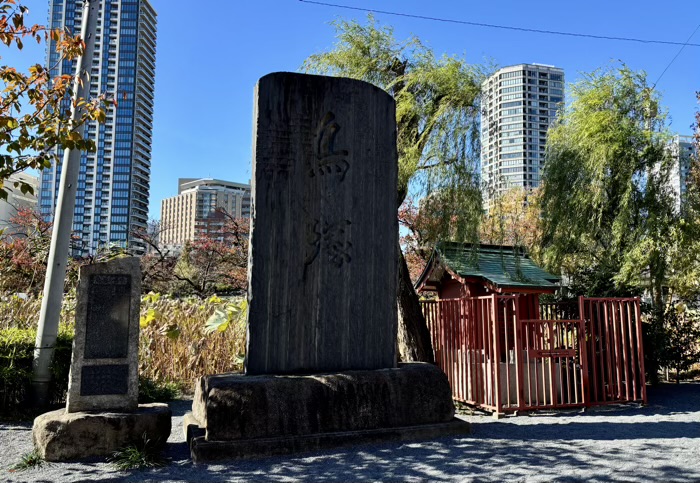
<point>102,412</point>
<point>321,355</point>
<point>322,285</point>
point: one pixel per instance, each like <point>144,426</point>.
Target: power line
<point>676,56</point>
<point>504,27</point>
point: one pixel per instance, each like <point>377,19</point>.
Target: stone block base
<point>205,451</point>
<point>60,435</point>
<point>237,416</point>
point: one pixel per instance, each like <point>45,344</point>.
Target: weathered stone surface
<point>323,257</point>
<point>205,451</point>
<point>104,365</point>
<point>60,435</point>
<point>233,407</point>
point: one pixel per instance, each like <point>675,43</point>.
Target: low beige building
<point>197,208</point>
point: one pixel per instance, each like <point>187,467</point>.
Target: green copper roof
<point>504,266</point>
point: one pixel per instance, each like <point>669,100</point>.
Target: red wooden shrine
<point>504,351</point>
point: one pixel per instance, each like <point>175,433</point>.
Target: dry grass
<point>173,344</point>
<point>22,311</point>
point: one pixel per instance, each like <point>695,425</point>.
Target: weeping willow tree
<point>684,272</point>
<point>608,217</point>
<point>437,112</point>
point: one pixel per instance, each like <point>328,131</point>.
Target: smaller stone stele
<point>104,366</point>
<point>102,413</point>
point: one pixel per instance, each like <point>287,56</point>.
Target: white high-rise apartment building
<point>519,104</point>
<point>114,181</point>
<point>683,151</point>
<point>198,208</point>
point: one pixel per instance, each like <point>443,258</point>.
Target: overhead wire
<point>505,27</point>
<point>676,56</point>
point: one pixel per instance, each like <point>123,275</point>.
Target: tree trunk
<point>413,334</point>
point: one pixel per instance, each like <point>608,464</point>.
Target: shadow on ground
<point>660,442</point>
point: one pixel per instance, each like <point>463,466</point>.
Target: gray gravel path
<point>660,442</point>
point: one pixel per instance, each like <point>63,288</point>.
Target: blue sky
<point>210,55</point>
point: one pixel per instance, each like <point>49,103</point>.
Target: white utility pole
<point>63,221</point>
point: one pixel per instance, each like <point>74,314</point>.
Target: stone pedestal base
<point>237,416</point>
<point>60,435</point>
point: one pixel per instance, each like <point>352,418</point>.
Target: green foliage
<point>671,339</point>
<point>437,115</point>
<point>151,391</point>
<point>684,272</point>
<point>16,356</point>
<point>690,375</point>
<point>33,125</point>
<point>146,454</point>
<point>681,326</point>
<point>654,340</point>
<point>234,312</point>
<point>607,213</point>
<point>28,460</point>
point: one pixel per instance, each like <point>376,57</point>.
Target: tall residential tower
<point>519,104</point>
<point>114,181</point>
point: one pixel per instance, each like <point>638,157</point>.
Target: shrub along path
<point>660,442</point>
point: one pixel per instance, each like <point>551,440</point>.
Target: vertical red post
<point>448,344</point>
<point>518,355</point>
<point>552,373</point>
<point>616,352</point>
<point>634,360</point>
<point>565,335</point>
<point>477,351</point>
<point>625,350</point>
<point>460,348</point>
<point>535,333</point>
<point>591,322</point>
<point>527,361</point>
<point>488,373</point>
<point>481,354</point>
<point>583,355</point>
<point>443,336</point>
<point>496,358</point>
<point>602,338</point>
<point>506,304</point>
<point>608,350</point>
<point>455,347</point>
<point>469,349</point>
<point>638,313</point>
<point>465,348</point>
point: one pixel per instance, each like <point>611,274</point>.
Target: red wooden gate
<point>615,350</point>
<point>500,362</point>
<point>554,354</point>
